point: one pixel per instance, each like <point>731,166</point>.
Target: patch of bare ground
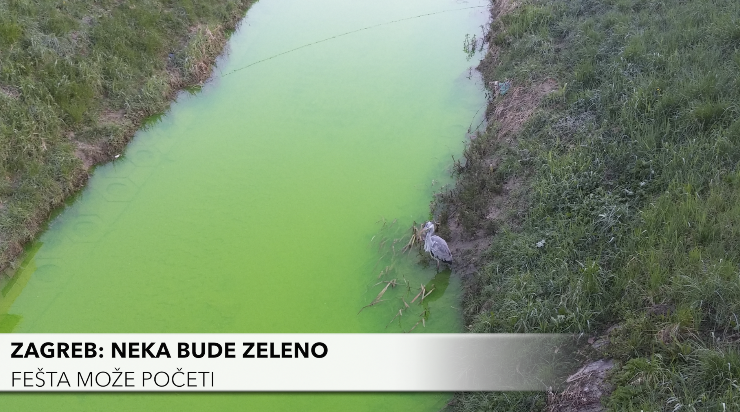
<point>513,109</point>
<point>469,247</point>
<point>89,154</point>
<point>584,389</point>
<point>112,116</point>
<point>504,6</point>
<point>507,114</point>
<point>468,251</point>
<point>100,151</point>
<point>10,91</point>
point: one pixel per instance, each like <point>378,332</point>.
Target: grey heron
<point>435,245</point>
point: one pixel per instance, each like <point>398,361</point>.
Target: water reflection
<point>438,285</point>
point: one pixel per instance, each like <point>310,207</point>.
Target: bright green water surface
<point>270,200</point>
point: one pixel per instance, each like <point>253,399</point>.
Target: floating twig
<point>379,259</point>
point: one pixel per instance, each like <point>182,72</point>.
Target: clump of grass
<point>631,179</point>
<point>65,65</point>
<point>483,179</point>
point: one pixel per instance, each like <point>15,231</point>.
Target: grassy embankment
<point>77,78</point>
<point>628,171</point>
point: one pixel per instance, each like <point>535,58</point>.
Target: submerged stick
<point>393,282</point>
<point>379,259</point>
<point>421,292</point>
<point>382,219</point>
<point>382,243</point>
<point>427,294</point>
<point>380,295</point>
<point>400,313</point>
<point>414,326</point>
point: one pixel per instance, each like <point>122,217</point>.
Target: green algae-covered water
<point>273,200</point>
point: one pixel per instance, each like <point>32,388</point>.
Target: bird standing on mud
<point>435,245</point>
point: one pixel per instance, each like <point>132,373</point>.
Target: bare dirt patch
<point>89,154</point>
<point>505,6</point>
<point>507,113</point>
<point>585,389</point>
<point>514,108</point>
<point>468,251</point>
<point>112,116</point>
<point>9,91</point>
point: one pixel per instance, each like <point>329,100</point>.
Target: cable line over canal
<point>348,33</point>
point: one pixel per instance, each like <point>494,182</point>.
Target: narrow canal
<point>269,201</point>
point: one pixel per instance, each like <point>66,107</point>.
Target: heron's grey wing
<point>440,250</point>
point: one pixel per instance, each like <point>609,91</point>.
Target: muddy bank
<point>597,201</point>
<point>487,194</point>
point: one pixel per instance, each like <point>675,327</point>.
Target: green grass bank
<point>608,184</point>
<point>77,79</point>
